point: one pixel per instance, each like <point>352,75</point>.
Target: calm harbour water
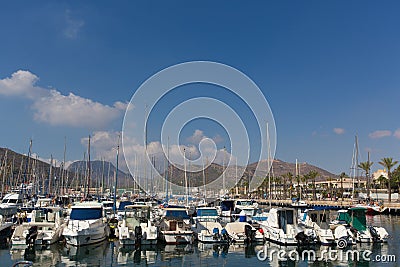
<point>111,254</point>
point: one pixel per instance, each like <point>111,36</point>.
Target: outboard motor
<point>216,235</point>
<point>32,235</point>
<point>138,235</point>
<point>374,234</point>
<point>250,234</point>
<point>302,239</point>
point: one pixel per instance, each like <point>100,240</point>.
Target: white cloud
<point>73,25</point>
<point>196,137</point>
<point>218,138</point>
<point>397,134</point>
<point>52,107</point>
<point>103,145</point>
<point>338,130</point>
<point>380,134</point>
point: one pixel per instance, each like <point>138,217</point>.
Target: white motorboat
<point>86,225</point>
<point>175,226</point>
<point>5,229</point>
<point>226,208</point>
<point>44,228</point>
<point>354,220</point>
<point>108,207</point>
<point>207,228</point>
<point>136,227</point>
<point>12,200</point>
<point>281,228</point>
<point>248,205</point>
<point>243,232</point>
<point>318,220</point>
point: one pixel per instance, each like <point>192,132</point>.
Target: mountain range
<point>100,169</point>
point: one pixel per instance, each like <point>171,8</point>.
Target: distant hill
<point>99,170</point>
<point>212,172</point>
<point>77,170</point>
<point>280,168</point>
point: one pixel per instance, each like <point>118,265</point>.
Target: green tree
<point>290,177</point>
<point>382,181</point>
<point>304,180</point>
<point>388,163</point>
<point>312,175</point>
<point>366,166</point>
<point>396,177</point>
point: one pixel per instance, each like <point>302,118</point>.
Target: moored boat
<point>175,226</point>
<point>86,225</point>
<point>136,227</point>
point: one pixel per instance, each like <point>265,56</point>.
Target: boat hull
<point>83,240</point>
<point>172,237</point>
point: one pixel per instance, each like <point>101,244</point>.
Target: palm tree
<point>298,185</point>
<point>305,179</point>
<point>342,175</point>
<point>388,163</point>
<point>284,185</point>
<point>381,180</point>
<point>290,177</point>
<point>312,175</point>
<point>366,166</point>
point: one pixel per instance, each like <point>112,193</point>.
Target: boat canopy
<point>176,214</point>
<point>86,214</point>
<point>357,218</point>
<point>122,204</point>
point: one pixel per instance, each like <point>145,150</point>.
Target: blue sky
<point>329,70</point>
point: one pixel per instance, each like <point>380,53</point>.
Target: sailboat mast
<point>4,173</point>
<point>223,173</point>
<point>89,170</point>
<point>116,180</point>
<point>186,181</point>
<point>63,166</point>
<point>102,176</point>
<point>355,165</point>
<point>269,168</point>
<point>166,178</point>
<point>50,174</point>
<point>204,182</point>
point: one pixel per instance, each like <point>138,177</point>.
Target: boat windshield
<point>108,205</point>
<point>122,204</point>
<point>207,212</point>
<point>86,214</point>
<point>227,205</point>
<point>244,203</point>
<point>180,214</point>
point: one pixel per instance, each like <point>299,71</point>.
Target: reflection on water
<point>112,254</point>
